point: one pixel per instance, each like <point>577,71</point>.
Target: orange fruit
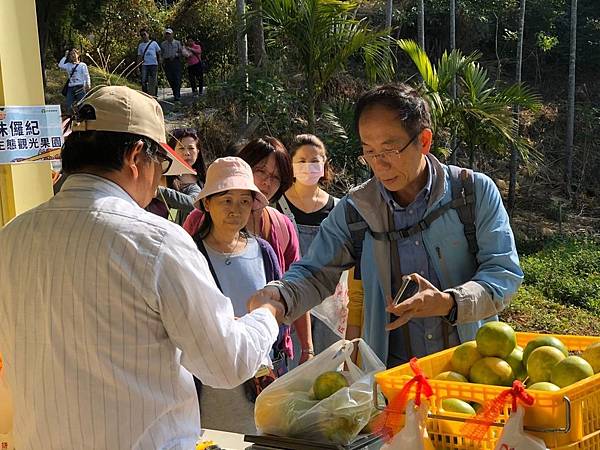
<point>496,339</point>
<point>541,362</point>
<point>543,341</point>
<point>570,370</point>
<point>464,356</point>
<point>492,370</point>
<point>592,355</point>
<point>328,383</point>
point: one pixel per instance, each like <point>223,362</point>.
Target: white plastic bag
<point>333,311</point>
<point>287,408</point>
<point>413,435</point>
<point>514,438</point>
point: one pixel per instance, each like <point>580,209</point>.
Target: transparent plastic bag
<point>514,438</point>
<point>333,311</point>
<point>413,435</point>
<point>287,407</point>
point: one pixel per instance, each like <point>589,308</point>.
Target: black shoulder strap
<point>357,227</point>
<point>202,248</point>
<point>463,188</point>
<point>146,49</point>
<point>72,72</point>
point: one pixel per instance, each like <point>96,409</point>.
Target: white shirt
<point>151,55</point>
<point>105,309</point>
<point>81,76</point>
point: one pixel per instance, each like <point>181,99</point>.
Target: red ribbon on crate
<point>477,427</point>
<point>388,422</point>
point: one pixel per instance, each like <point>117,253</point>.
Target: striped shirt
<point>105,309</point>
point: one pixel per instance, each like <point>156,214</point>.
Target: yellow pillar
<point>20,67</point>
<point>22,186</point>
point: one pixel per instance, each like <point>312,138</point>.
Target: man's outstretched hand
<point>268,298</point>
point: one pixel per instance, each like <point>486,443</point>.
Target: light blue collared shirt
<point>426,335</point>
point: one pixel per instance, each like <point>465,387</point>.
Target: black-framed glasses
<point>162,159</point>
<point>371,158</point>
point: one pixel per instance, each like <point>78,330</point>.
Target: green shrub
<point>566,271</point>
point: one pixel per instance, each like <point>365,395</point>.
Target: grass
<point>561,290</point>
<point>531,311</point>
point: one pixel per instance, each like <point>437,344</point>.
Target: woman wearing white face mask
<point>307,205</point>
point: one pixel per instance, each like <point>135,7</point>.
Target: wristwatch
<point>453,314</point>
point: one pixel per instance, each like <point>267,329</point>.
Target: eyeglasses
<point>162,159</point>
<point>266,176</point>
<point>371,158</point>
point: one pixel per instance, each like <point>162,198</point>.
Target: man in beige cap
<point>107,310</point>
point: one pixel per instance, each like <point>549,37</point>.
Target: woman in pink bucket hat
<point>240,264</point>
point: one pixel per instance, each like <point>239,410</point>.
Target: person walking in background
<point>171,57</point>
<point>193,54</point>
<point>149,57</point>
<point>306,204</point>
<point>79,77</point>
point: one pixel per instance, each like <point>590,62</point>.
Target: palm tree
<point>514,154</point>
<point>571,99</point>
<point>321,36</point>
<point>481,112</point>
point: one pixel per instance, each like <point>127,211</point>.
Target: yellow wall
<point>20,68</point>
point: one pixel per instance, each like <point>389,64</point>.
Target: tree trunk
<point>571,100</point>
<point>514,154</point>
<point>242,37</point>
<point>257,35</point>
<point>311,101</point>
<point>43,14</point>
<point>389,11</point>
<point>454,144</point>
<point>242,47</point>
<point>421,23</point>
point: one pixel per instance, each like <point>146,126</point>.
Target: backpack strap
<point>285,209</point>
<point>463,191</point>
<point>357,227</point>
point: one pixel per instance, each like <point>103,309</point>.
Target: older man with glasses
<point>113,307</point>
<point>443,227</point>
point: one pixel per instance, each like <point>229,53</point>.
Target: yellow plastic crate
<point>569,418</point>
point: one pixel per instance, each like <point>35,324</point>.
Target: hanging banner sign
<point>27,131</point>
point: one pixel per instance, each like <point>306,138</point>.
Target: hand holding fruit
<point>428,302</point>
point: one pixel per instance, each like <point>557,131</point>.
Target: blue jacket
<point>481,291</point>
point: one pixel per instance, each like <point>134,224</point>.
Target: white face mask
<point>309,173</point>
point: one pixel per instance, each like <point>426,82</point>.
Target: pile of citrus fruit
<point>494,358</point>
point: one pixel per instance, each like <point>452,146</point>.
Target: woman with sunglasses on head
<point>272,170</point>
<point>240,263</point>
<point>178,198</point>
<point>307,204</point>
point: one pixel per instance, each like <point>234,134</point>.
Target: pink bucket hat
<point>225,174</point>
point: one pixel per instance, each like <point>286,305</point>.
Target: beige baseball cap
<point>125,110</point>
